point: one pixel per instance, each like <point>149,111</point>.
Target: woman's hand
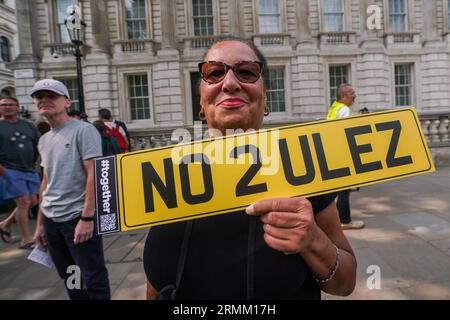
<point>289,224</point>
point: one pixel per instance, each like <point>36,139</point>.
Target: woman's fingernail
<point>250,209</point>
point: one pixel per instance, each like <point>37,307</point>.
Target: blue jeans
<point>88,256</point>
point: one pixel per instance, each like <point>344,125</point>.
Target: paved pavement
<point>407,239</point>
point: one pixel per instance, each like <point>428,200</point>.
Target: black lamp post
<point>75,26</point>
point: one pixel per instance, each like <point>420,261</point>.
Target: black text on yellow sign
<point>226,174</point>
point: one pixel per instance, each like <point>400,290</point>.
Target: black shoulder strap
<point>180,266</point>
<point>251,257</point>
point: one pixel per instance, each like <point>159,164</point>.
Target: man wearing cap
<point>20,181</point>
<point>66,218</point>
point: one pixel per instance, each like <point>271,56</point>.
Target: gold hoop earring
<point>201,115</point>
<point>266,111</point>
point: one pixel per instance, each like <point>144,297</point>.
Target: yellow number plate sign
<point>203,178</point>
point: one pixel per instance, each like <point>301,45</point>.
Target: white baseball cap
<point>50,85</point>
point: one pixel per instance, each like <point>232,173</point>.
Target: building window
<point>4,49</point>
<point>203,17</point>
<point>333,15</point>
<point>62,35</point>
<point>403,85</point>
<point>72,87</point>
<point>275,90</point>
<point>338,75</point>
<point>135,19</point>
<point>138,97</point>
<point>269,16</point>
<point>195,94</point>
<point>397,15</point>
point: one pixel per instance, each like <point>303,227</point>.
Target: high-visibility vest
<point>334,109</point>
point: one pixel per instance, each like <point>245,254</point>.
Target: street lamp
<point>75,26</point>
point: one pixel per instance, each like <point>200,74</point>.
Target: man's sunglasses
<point>245,71</point>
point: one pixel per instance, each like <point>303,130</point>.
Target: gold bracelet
<point>333,272</point>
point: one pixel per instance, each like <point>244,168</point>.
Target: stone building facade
<point>8,45</point>
<point>140,56</point>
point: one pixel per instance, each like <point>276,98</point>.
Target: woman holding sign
<point>282,248</point>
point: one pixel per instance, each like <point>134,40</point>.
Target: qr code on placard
<point>108,222</point>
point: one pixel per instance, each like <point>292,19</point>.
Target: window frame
<point>286,116</point>
<point>279,67</point>
<point>72,98</point>
<point>54,33</point>
<point>203,17</point>
<point>413,85</point>
<point>124,102</point>
<point>123,32</point>
<point>349,66</point>
<point>351,62</point>
<point>258,15</point>
<point>8,49</point>
<point>347,21</point>
<point>333,13</point>
<point>189,18</point>
<point>409,17</point>
<point>189,108</point>
<point>282,12</point>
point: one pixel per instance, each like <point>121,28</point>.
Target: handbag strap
<point>180,266</point>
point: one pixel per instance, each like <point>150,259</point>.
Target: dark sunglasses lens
<point>247,71</point>
<point>213,72</point>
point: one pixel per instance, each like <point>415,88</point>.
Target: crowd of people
<point>278,248</point>
<point>51,162</point>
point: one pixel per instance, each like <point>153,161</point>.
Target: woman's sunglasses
<point>245,71</point>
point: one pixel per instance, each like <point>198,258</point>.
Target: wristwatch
<point>87,218</point>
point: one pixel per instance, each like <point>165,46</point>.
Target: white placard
<point>23,73</point>
<point>40,256</point>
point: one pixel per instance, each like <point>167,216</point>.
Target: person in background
<point>18,155</point>
<point>340,108</point>
<point>116,129</point>
<point>109,144</point>
<point>74,114</point>
<point>278,248</point>
<point>65,224</point>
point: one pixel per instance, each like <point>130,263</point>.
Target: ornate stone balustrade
<point>59,49</point>
<point>198,42</point>
<point>435,126</point>
<point>393,38</point>
<point>337,38</point>
<point>133,46</point>
<point>273,39</point>
<point>153,139</point>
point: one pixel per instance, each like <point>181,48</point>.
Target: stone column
<point>99,26</point>
<point>304,36</point>
<point>236,16</point>
<point>26,28</point>
<point>370,38</point>
<point>168,27</point>
<point>430,32</point>
<point>26,64</point>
